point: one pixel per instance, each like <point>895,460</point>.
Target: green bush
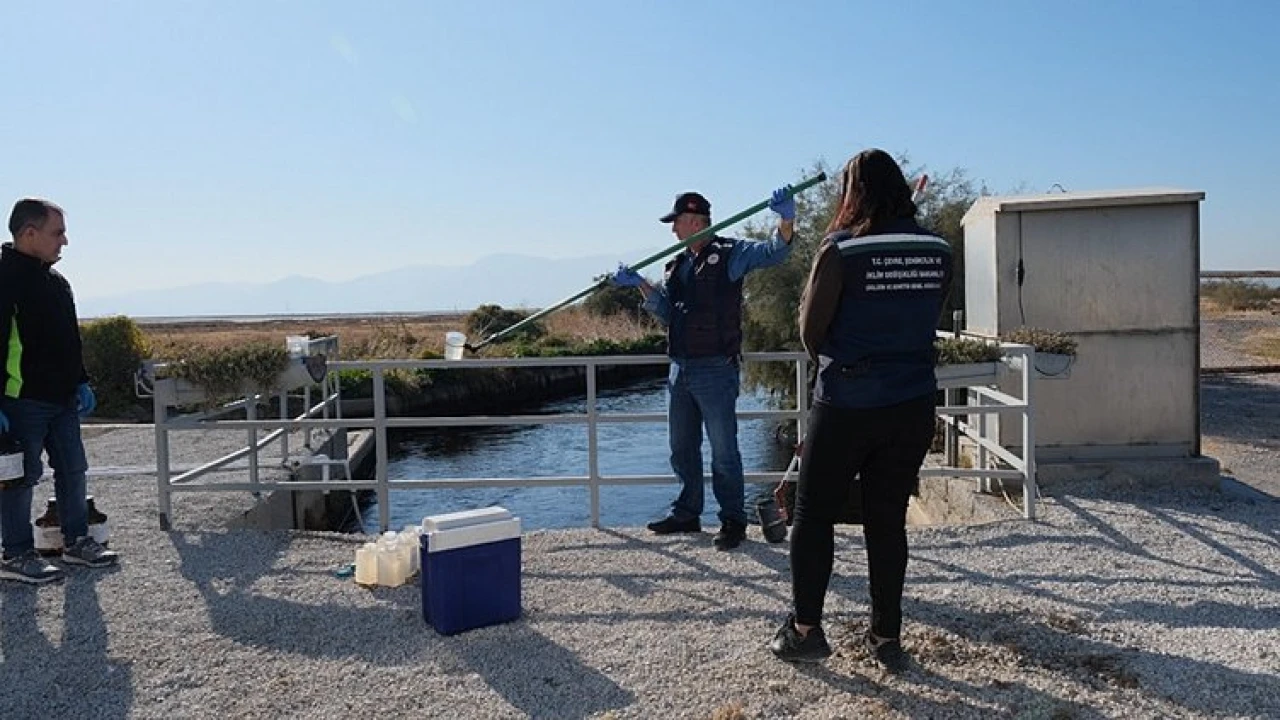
<point>228,371</point>
<point>359,383</point>
<point>652,344</point>
<point>489,319</point>
<point>610,300</point>
<point>114,349</point>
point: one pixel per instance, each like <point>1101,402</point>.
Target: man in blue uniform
<point>700,303</point>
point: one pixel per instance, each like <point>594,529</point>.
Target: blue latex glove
<point>85,399</point>
<point>626,277</point>
<point>783,203</point>
<point>4,423</point>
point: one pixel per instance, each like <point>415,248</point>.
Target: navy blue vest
<point>879,349</point>
<point>706,314</point>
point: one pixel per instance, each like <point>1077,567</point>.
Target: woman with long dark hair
<point>868,319</point>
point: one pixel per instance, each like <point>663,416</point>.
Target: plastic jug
<point>392,568</point>
<point>367,564</point>
<point>409,543</point>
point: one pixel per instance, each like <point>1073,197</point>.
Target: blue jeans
<point>55,429</point>
<point>705,391</point>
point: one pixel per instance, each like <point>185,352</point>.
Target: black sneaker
<point>730,536</point>
<point>29,568</point>
<point>788,644</point>
<point>888,652</point>
<point>671,524</point>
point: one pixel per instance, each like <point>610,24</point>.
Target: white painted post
<point>251,413</point>
<point>1029,488</point>
<point>380,447</point>
<point>161,418</point>
<point>284,436</point>
<point>593,445</point>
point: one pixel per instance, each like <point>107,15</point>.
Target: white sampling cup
<point>454,344</point>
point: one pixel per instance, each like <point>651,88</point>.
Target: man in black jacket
<point>45,392</point>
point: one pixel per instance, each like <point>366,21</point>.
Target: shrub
<point>609,301</point>
<point>652,344</point>
<point>489,319</point>
<point>359,383</point>
<point>227,371</point>
<point>959,351</point>
<point>114,349</point>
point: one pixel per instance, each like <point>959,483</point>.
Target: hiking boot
<point>788,644</point>
<point>86,551</point>
<point>30,568</point>
<point>888,652</point>
<point>671,524</point>
<point>730,536</point>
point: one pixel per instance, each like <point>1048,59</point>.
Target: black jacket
<point>40,353</point>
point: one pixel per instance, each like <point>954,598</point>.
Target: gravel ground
<point>1154,604</point>
<point>1240,424</point>
<point>1142,605</point>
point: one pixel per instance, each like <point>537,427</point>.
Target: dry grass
<point>402,336</point>
<point>358,337</point>
<point>1264,345</point>
<point>576,324</point>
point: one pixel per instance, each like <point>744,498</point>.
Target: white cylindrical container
<point>454,344</point>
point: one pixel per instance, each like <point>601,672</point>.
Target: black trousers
<point>877,453</point>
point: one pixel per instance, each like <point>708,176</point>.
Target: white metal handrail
<point>987,400</point>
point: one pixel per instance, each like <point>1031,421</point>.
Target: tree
<point>772,297</point>
<point>612,300</point>
<point>489,319</point>
<point>114,349</point>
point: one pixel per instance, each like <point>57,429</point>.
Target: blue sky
<point>203,140</point>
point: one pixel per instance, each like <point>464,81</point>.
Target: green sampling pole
<point>705,232</point>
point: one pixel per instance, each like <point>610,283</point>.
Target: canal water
<point>559,450</point>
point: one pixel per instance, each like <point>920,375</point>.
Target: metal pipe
<point>701,234</point>
<point>225,460</point>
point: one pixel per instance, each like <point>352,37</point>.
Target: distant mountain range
<point>507,280</point>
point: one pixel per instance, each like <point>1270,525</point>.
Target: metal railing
<point>319,417</point>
